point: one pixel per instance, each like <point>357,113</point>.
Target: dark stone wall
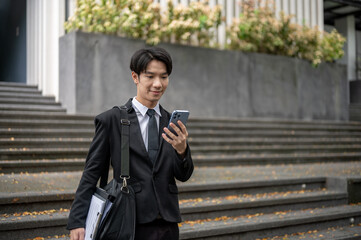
<point>95,75</point>
<point>355,91</point>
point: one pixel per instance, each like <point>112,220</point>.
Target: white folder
<point>94,216</point>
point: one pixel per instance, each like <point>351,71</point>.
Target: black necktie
<point>153,137</point>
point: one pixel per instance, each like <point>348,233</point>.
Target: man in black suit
<point>154,165</point>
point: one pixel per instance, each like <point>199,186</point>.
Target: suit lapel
<point>136,140</point>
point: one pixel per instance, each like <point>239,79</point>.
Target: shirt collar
<point>143,109</point>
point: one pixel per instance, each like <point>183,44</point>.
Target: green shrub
<point>146,20</point>
<point>259,30</point>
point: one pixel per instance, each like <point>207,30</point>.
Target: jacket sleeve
<point>183,167</point>
<point>95,163</point>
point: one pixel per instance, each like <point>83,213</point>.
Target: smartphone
<point>178,115</point>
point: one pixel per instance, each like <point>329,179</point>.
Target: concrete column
<point>35,43</point>
<point>320,15</point>
<point>45,21</point>
<point>222,27</point>
<point>293,6</point>
<point>184,2</point>
<point>300,12</point>
<point>313,13</point>
<point>346,26</point>
<point>72,6</point>
<point>307,12</point>
<point>30,22</point>
<point>285,6</point>
<point>278,7</point>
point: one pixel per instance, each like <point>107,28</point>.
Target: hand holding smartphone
<point>181,115</point>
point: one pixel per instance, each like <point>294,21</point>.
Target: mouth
<point>156,92</point>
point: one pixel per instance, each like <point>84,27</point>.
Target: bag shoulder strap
<point>125,123</point>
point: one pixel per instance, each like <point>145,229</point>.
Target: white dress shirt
<point>143,118</point>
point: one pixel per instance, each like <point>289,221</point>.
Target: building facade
<point>36,55</point>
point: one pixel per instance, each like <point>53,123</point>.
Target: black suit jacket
<point>155,186</point>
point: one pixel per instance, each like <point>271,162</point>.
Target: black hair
<point>142,57</point>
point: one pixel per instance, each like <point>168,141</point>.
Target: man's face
<point>151,84</point>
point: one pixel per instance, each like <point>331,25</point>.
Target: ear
<point>135,77</point>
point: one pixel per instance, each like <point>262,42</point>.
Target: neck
<point>148,104</point>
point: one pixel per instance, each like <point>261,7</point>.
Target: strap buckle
<point>125,122</point>
<point>125,184</point>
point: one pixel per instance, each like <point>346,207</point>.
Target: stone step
<point>31,115</point>
<point>210,150</point>
<point>60,237</point>
<point>35,192</point>
<point>355,112</point>
<point>221,188</point>
<point>263,159</point>
<point>270,141</point>
<point>77,164</point>
<point>228,120</point>
<point>21,190</point>
<point>355,105</point>
<point>214,177</point>
<point>36,166</point>
<point>9,85</point>
<point>43,108</point>
<point>20,90</point>
<point>248,226</point>
<point>355,117</point>
<point>46,133</point>
<point>79,142</point>
<point>68,133</point>
<point>17,85</point>
<point>271,126</point>
<point>224,153</point>
<point>36,95</point>
<point>20,101</point>
<point>47,124</point>
<point>41,153</point>
<point>198,208</point>
<point>26,97</point>
<point>208,123</point>
<point>268,225</point>
<point>46,223</point>
<point>29,122</point>
<point>348,232</point>
<point>269,133</point>
<point>235,205</point>
<point>75,142</point>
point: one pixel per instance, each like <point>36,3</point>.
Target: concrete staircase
<point>254,178</point>
<point>355,112</point>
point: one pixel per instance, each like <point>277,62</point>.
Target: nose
<point>157,83</point>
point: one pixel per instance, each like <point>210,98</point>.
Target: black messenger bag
<point>119,218</point>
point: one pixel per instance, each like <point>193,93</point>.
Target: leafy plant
<point>259,30</point>
<point>146,20</point>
